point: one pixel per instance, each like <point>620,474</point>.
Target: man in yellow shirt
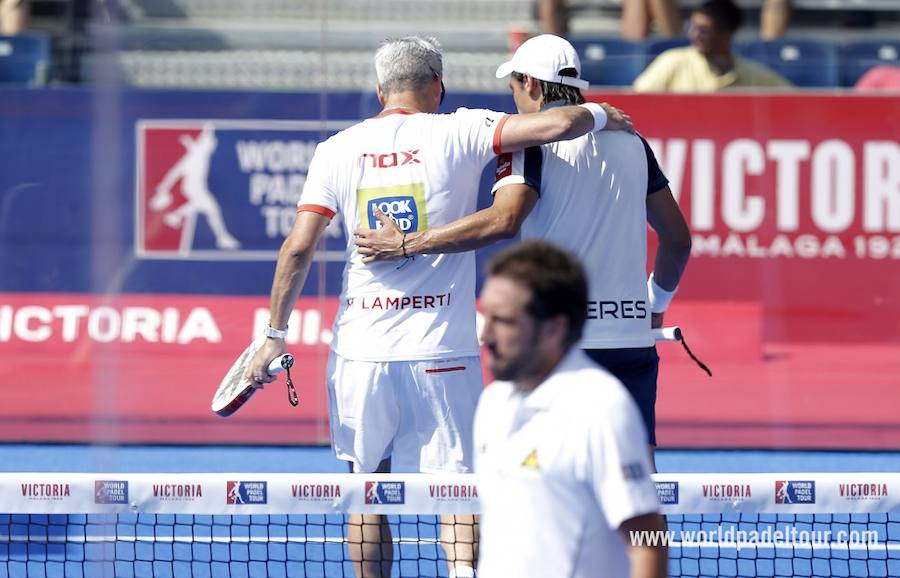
<point>708,65</point>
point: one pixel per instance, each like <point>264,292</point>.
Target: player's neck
<point>531,382</point>
<point>408,102</point>
<point>721,59</point>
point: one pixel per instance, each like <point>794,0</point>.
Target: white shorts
<point>418,413</point>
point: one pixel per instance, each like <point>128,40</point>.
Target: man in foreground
<point>564,475</point>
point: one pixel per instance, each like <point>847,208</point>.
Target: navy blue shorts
<point>637,368</point>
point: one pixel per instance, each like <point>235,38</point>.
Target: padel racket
<point>234,391</point>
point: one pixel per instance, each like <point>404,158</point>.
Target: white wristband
<point>659,297</point>
<point>275,333</point>
<point>599,115</point>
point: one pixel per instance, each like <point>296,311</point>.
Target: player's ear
<point>380,94</point>
<point>531,85</point>
<point>554,330</point>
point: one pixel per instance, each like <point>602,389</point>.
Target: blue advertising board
<point>165,191</point>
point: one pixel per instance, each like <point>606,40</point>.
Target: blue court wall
<point>71,185</point>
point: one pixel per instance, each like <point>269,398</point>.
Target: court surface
<point>307,459</point>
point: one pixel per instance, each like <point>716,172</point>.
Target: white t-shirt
<point>559,470</point>
<point>593,194</point>
<point>423,170</point>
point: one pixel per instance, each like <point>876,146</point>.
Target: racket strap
<point>694,357</point>
<point>292,393</point>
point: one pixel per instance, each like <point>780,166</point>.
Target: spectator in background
<point>773,18</point>
<point>881,78</point>
<point>553,16</point>
<point>637,15</point>
<point>708,64</point>
<point>15,16</point>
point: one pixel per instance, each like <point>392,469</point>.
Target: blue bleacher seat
<point>24,59</point>
<point>805,62</point>
<point>610,61</point>
<point>858,56</point>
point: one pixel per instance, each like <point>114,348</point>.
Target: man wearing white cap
<point>594,196</point>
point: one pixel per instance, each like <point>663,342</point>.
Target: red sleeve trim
<point>497,131</point>
<point>316,209</point>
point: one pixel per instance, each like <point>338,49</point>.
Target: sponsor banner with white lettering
<point>248,493</point>
<point>238,493</point>
<point>788,493</point>
<point>144,368</point>
<point>779,190</point>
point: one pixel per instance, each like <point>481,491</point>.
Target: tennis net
<point>270,525</point>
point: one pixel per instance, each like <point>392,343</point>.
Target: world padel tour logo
<point>795,492</point>
<point>246,493</point>
<point>174,191</point>
<point>405,204</point>
<point>110,492</point>
<point>220,189</point>
<point>667,492</point>
<point>385,492</point>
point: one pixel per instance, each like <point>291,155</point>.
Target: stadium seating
<point>610,61</point>
<point>805,62</point>
<point>24,59</point>
<point>808,63</point>
<point>858,56</point>
<point>281,44</point>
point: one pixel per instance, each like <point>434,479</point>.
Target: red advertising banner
<point>793,202</point>
<point>793,290</point>
<point>144,368</point>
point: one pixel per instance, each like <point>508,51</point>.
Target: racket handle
<point>280,363</point>
<point>667,333</point>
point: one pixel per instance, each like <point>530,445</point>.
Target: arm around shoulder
<point>534,129</point>
<point>560,123</point>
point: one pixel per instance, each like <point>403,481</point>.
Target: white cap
<point>543,57</point>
